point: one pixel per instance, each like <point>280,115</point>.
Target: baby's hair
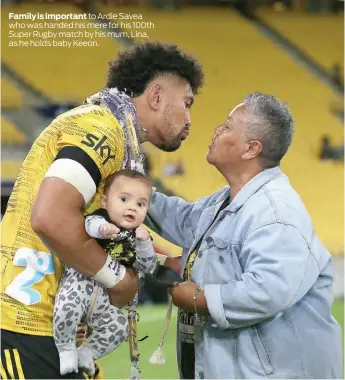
<point>125,173</point>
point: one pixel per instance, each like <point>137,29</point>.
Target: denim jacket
<point>267,280</point>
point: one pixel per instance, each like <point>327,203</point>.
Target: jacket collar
<point>249,188</point>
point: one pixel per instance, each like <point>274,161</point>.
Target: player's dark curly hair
<point>133,69</point>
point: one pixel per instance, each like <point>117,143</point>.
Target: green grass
<point>117,364</point>
<point>338,312</point>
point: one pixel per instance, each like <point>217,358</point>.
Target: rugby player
<point>149,91</point>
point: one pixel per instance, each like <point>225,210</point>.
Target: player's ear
<point>154,96</point>
<point>103,201</point>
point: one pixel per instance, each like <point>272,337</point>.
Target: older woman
<point>257,296</point>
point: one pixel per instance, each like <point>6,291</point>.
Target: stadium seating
<point>10,170</point>
<point>303,29</point>
<point>10,134</point>
<point>11,96</point>
<point>63,74</point>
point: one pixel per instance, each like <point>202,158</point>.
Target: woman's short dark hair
<point>134,68</point>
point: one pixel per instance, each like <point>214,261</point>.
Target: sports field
<point>117,364</point>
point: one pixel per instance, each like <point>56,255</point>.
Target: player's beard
<point>171,142</point>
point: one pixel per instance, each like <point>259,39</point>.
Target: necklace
<point>141,133</point>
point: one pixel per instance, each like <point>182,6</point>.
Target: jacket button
<point>221,259</point>
<point>201,375</point>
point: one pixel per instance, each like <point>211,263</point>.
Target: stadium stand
<point>301,29</point>
<point>11,99</point>
<point>63,74</point>
<point>11,96</point>
<point>10,134</point>
<point>9,170</point>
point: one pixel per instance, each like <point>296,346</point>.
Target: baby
<point>116,227</point>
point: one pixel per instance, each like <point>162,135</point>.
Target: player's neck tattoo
<point>141,133</point>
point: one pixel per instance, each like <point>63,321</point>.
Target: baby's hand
<point>109,230</point>
<point>142,234</point>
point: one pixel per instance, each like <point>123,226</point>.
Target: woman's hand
<point>183,294</point>
<point>125,290</point>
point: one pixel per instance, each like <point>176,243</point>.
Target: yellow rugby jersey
<point>89,134</point>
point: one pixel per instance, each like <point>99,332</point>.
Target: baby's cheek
<point>115,212</point>
<point>141,217</point>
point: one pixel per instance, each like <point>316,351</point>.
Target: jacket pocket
<point>219,263</point>
<point>261,351</point>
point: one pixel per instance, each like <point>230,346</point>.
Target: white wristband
<point>111,273</point>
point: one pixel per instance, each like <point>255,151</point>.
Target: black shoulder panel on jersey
<point>76,154</point>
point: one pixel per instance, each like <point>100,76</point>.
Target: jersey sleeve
<point>95,135</point>
<point>90,147</point>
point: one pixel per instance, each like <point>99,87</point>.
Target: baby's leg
<point>110,329</point>
<point>68,311</point>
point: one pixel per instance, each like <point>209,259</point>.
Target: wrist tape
<point>111,273</point>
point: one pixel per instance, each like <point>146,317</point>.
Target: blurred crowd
<point>330,151</point>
